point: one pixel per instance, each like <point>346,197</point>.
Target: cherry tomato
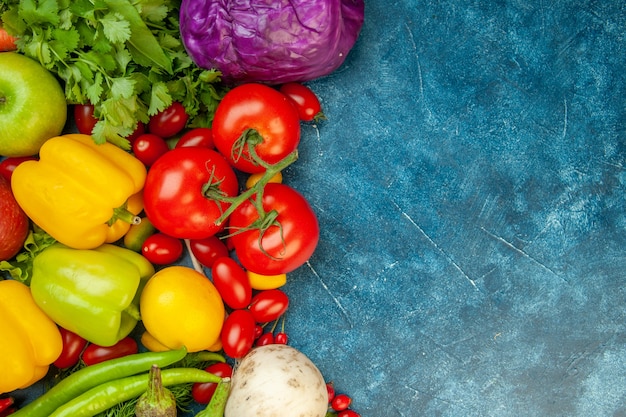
<point>73,346</point>
<point>238,333</point>
<point>139,130</point>
<point>265,339</point>
<point>84,118</point>
<point>340,402</point>
<point>268,305</point>
<point>94,354</point>
<point>200,136</point>
<point>8,165</point>
<point>266,115</point>
<point>168,122</point>
<point>203,392</point>
<point>330,388</point>
<point>348,413</point>
<point>231,282</point>
<point>176,188</point>
<point>304,100</point>
<point>207,250</point>
<point>258,331</point>
<point>148,148</point>
<point>281,338</point>
<point>277,249</point>
<point>162,249</point>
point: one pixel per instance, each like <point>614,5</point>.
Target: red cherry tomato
<point>258,331</point>
<point>73,346</point>
<point>168,122</point>
<point>208,250</point>
<point>161,249</point>
<point>148,148</point>
<point>340,402</point>
<point>275,250</point>
<point>203,392</point>
<point>8,165</point>
<point>330,388</point>
<point>174,194</point>
<point>265,339</point>
<point>238,333</point>
<point>200,136</point>
<point>268,305</point>
<point>231,282</point>
<point>256,108</point>
<point>304,100</point>
<point>139,130</point>
<point>281,338</point>
<point>348,413</point>
<point>84,118</point>
<point>94,354</point>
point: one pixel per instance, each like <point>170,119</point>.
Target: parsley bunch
<point>125,57</point>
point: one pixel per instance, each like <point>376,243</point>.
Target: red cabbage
<point>270,41</point>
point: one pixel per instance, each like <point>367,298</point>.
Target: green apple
<point>33,108</point>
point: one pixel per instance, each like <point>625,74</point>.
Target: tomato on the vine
<point>304,100</point>
<point>73,346</point>
<point>199,136</point>
<point>84,118</point>
<point>259,117</point>
<point>208,250</point>
<point>94,354</point>
<point>268,305</point>
<point>283,245</point>
<point>162,249</point>
<point>182,190</point>
<point>168,122</point>
<point>231,282</point>
<point>238,333</point>
<point>203,391</point>
<point>149,147</point>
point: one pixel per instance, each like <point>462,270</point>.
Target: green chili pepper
<point>109,394</point>
<point>217,405</point>
<point>94,375</point>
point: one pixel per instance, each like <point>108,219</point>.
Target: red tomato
<point>265,339</point>
<point>73,346</point>
<point>200,136</point>
<point>238,333</point>
<point>8,165</point>
<point>94,354</point>
<point>304,99</point>
<point>84,118</point>
<point>255,115</point>
<point>161,249</point>
<point>139,130</point>
<point>202,392</point>
<point>275,250</point>
<point>268,305</point>
<point>281,338</point>
<point>180,189</point>
<point>207,250</point>
<point>231,282</point>
<point>168,122</point>
<point>340,402</point>
<point>148,148</point>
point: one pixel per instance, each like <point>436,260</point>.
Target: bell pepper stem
<point>125,215</point>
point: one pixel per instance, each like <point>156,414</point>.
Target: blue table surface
<point>469,183</point>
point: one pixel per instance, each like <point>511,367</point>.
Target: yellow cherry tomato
<point>254,178</point>
<point>266,282</point>
<point>181,307</point>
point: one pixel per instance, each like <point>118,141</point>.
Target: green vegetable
<point>157,401</point>
<point>20,268</point>
<point>126,58</point>
<point>95,375</point>
<point>216,406</point>
<point>108,394</point>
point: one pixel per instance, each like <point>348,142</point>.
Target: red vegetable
<point>238,333</point>
<point>202,392</point>
<point>94,354</point>
<point>268,305</point>
<point>161,249</point>
<point>73,346</point>
<point>231,282</point>
<point>84,118</point>
<point>207,250</point>
<point>265,339</point>
<point>168,122</point>
<point>340,402</point>
<point>8,165</point>
<point>200,136</point>
<point>149,147</point>
<point>304,100</point>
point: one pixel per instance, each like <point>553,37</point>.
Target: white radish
<point>277,380</point>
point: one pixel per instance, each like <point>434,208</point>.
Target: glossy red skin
<point>289,248</point>
<point>203,392</point>
<point>94,354</point>
<point>238,333</point>
<point>208,250</point>
<point>173,199</point>
<point>168,122</point>
<point>304,99</point>
<point>8,165</point>
<point>14,223</point>
<point>264,109</point>
<point>200,136</point>
<point>84,118</point>
<point>73,346</point>
<point>161,249</point>
<point>139,130</point>
<point>281,338</point>
<point>340,402</point>
<point>149,147</point>
<point>231,282</point>
<point>265,339</point>
<point>268,305</point>
<point>348,413</point>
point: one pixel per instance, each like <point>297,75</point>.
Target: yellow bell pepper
<point>78,189</point>
<point>30,340</point>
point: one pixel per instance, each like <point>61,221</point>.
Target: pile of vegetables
<point>169,161</point>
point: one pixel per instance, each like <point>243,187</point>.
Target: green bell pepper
<point>91,292</point>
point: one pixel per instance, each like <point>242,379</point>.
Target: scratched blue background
<point>469,183</point>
